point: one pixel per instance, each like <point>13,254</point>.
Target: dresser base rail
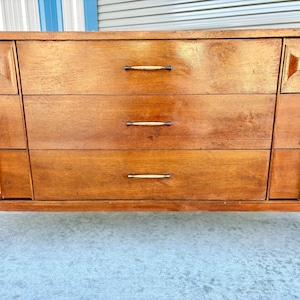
<point>150,205</point>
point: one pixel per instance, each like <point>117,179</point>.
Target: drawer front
<point>8,80</point>
<point>12,134</point>
<point>287,125</point>
<point>14,175</point>
<point>291,67</point>
<point>198,67</point>
<point>102,174</point>
<point>285,175</point>
<point>109,122</point>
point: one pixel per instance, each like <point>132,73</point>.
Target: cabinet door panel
<point>291,67</point>
<point>287,125</point>
<point>285,175</point>
<point>8,79</point>
<point>12,134</point>
<point>198,67</point>
<point>15,175</point>
<point>206,174</point>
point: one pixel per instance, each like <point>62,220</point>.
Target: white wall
<point>214,14</point>
<point>19,15</point>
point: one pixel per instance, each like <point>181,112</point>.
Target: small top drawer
<point>196,66</point>
<point>8,81</point>
<point>291,67</point>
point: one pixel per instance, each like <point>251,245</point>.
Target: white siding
<point>23,15</point>
<point>19,15</point>
<point>214,14</point>
<point>73,15</point>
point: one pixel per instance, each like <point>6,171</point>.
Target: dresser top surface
<point>152,35</point>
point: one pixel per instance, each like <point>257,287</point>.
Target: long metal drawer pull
<point>168,123</point>
<point>149,176</point>
<point>148,68</point>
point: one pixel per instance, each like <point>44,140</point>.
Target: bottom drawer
<point>285,175</point>
<point>14,175</point>
<point>194,174</point>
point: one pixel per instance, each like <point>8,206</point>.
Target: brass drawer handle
<point>148,68</point>
<point>149,176</point>
<point>168,123</point>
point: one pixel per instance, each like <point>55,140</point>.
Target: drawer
<point>287,125</point>
<point>12,134</point>
<point>198,67</point>
<point>103,174</point>
<point>285,175</point>
<point>14,175</point>
<point>196,122</point>
<point>291,67</point>
<point>8,80</point>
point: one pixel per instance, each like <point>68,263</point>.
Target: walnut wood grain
<point>197,122</point>
<point>198,67</point>
<point>102,174</point>
<point>287,125</point>
<point>12,134</point>
<point>8,80</point>
<point>285,174</point>
<point>15,175</point>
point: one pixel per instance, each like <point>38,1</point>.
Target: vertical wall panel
<point>73,15</point>
<point>51,15</point>
<point>90,15</point>
<point>19,15</point>
<point>2,24</point>
<point>48,15</point>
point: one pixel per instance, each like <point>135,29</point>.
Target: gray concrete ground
<point>149,256</point>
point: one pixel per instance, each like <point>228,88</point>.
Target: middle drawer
<point>108,122</point>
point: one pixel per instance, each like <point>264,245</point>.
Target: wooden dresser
<point>182,120</point>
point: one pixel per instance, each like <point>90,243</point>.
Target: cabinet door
<point>285,175</point>
<point>14,175</point>
<point>197,67</point>
<point>287,125</point>
<point>291,68</point>
<point>12,133</point>
<point>8,80</point>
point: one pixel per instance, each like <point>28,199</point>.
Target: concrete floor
<point>149,256</point>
